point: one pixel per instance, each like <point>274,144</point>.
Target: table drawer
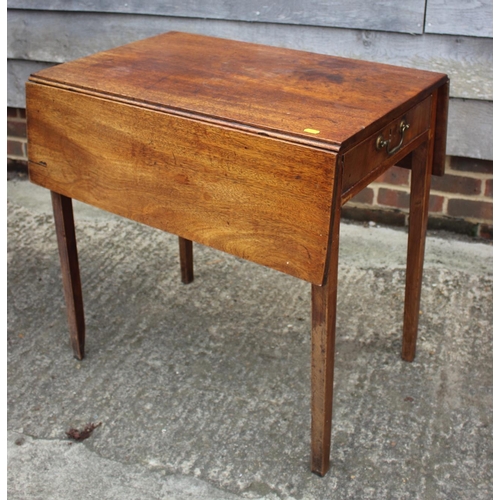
<point>362,161</point>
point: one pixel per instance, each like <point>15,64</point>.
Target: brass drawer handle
<point>386,143</point>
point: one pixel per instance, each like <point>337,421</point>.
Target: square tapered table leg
<point>419,205</point>
<point>66,241</point>
<point>186,259</point>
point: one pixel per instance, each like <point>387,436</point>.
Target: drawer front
<point>364,160</point>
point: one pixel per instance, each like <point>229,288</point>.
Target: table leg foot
<point>419,206</point>
<point>66,241</point>
<point>186,258</point>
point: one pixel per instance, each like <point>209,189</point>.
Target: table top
<point>324,101</point>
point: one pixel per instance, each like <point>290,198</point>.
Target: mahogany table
<point>245,148</point>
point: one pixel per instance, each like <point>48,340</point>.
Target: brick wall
<point>461,200</point>
<point>16,139</point>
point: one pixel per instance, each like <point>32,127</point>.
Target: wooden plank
<point>60,37</point>
<point>460,17</point>
<point>470,129</point>
<point>258,198</point>
<point>384,15</point>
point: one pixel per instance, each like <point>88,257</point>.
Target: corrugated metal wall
<point>451,36</point>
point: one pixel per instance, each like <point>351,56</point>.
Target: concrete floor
<point>202,391</point>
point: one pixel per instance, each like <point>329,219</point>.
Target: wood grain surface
<point>265,200</point>
<point>281,92</point>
